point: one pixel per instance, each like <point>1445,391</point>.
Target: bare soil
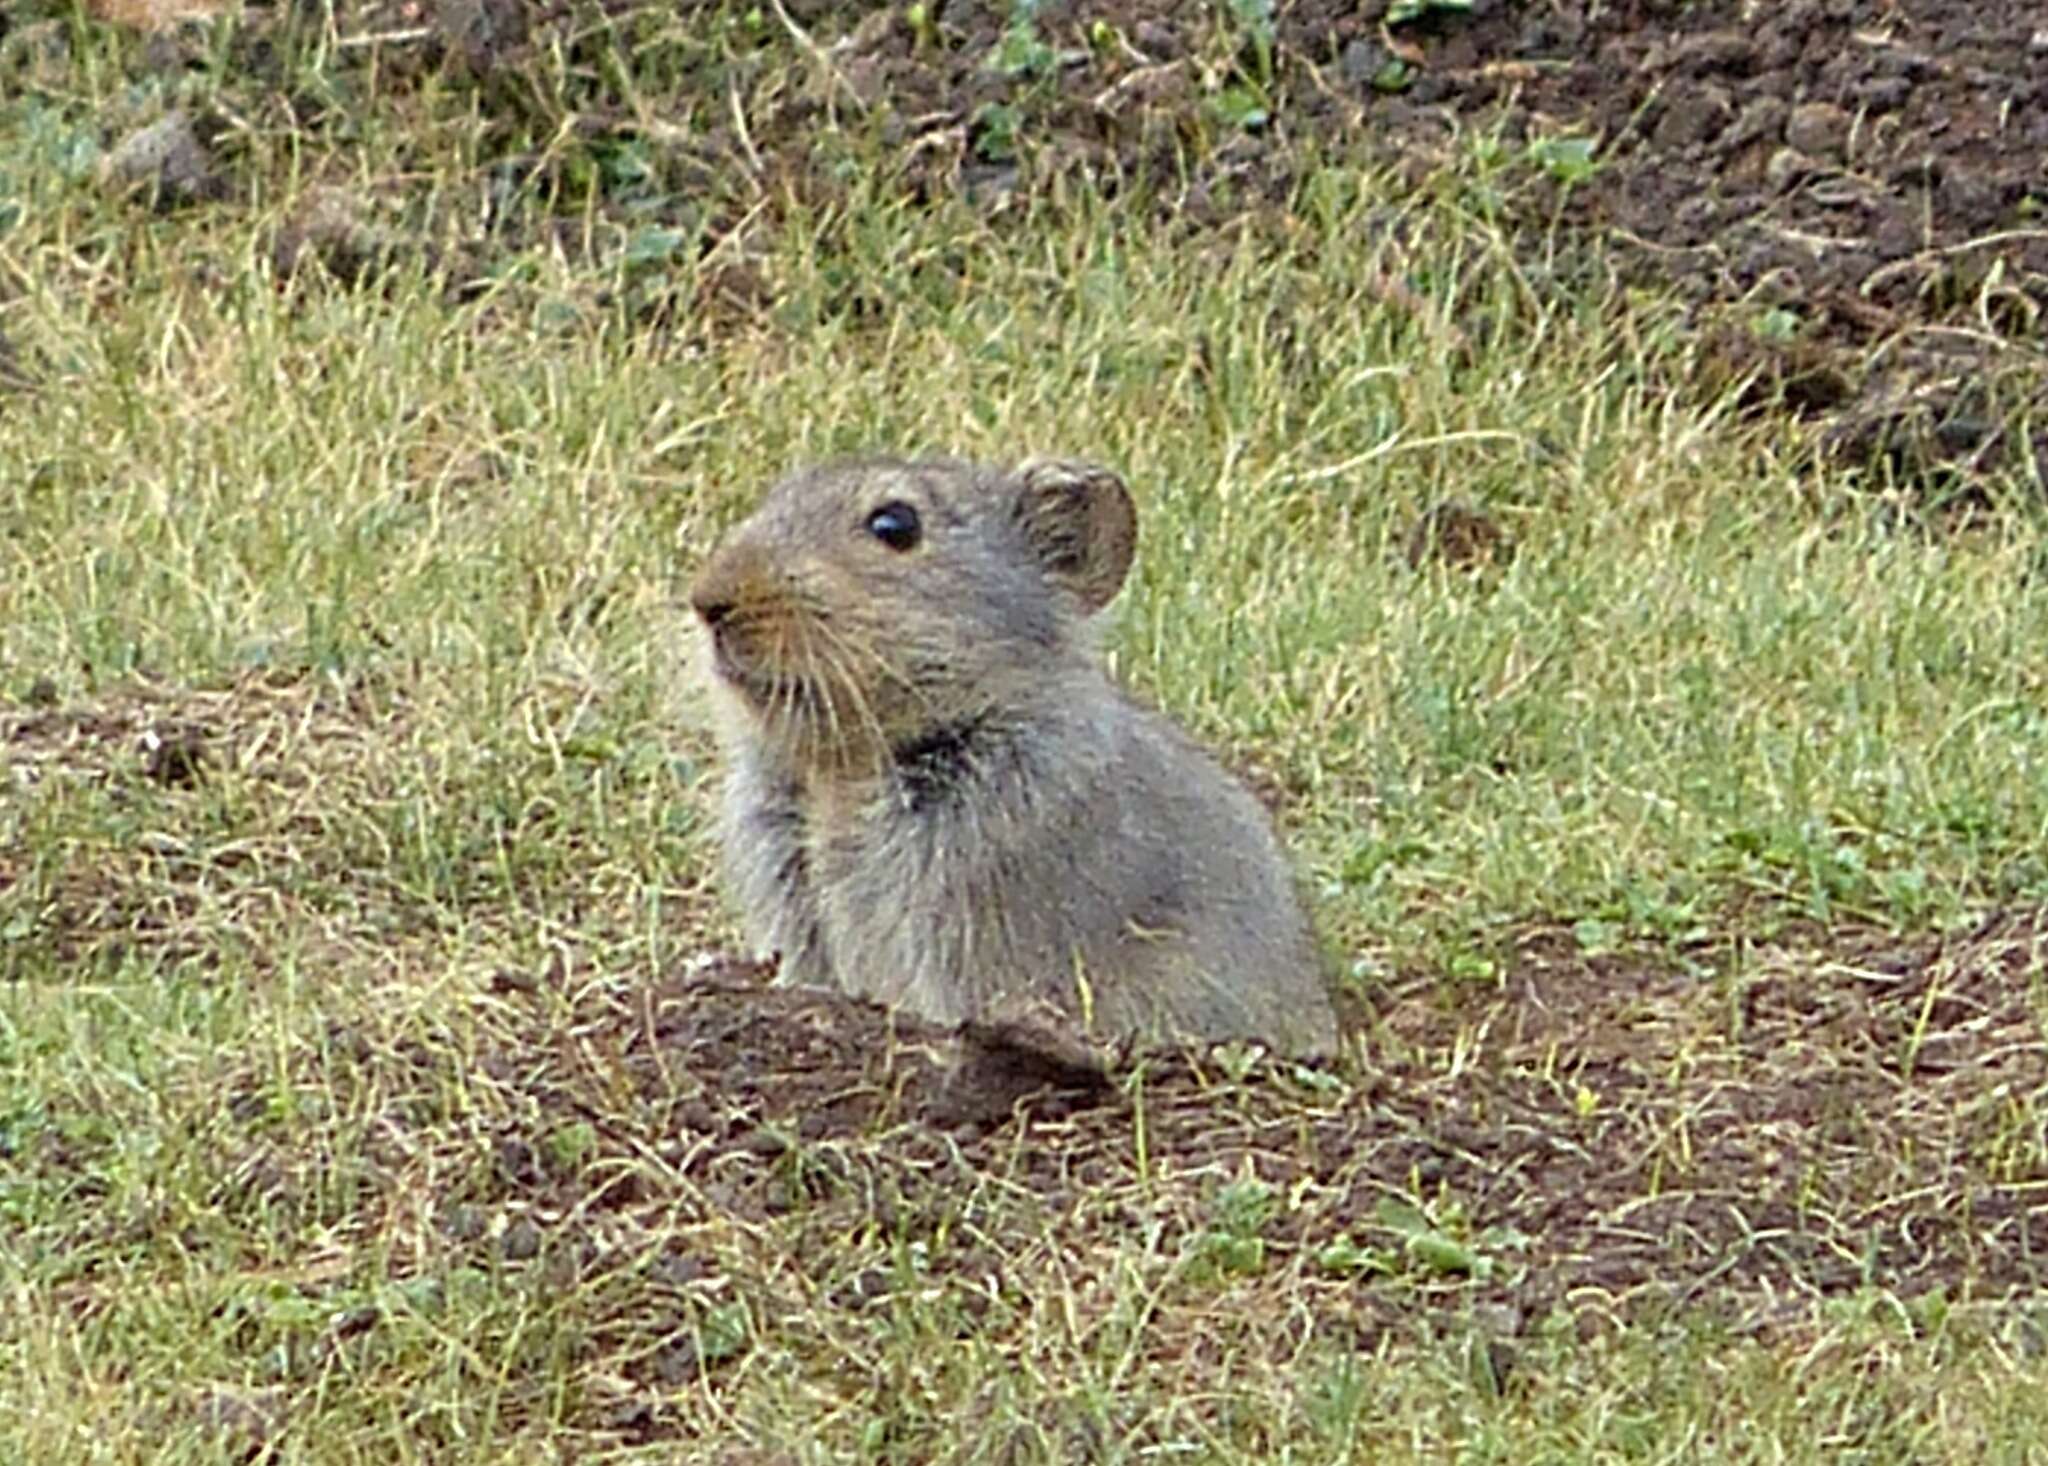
<point>1584,1145</point>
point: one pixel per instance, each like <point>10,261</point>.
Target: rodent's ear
<point>1080,520</point>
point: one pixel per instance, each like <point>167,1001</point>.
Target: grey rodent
<point>936,798</point>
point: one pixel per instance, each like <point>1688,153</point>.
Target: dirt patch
<point>1590,1142</point>
<point>1851,193</point>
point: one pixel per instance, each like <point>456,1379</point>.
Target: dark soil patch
<point>1853,194</point>
<point>1589,1143</point>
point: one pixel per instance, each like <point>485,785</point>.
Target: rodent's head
<point>866,604</point>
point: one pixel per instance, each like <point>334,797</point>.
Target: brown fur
<point>935,797</point>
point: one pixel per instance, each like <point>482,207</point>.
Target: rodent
<point>934,795</point>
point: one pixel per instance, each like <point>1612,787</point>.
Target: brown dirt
<point>1852,194</point>
<point>1588,1143</point>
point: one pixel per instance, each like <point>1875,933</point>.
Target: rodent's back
<point>935,797</point>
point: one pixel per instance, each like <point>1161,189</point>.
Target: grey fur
<point>936,798</point>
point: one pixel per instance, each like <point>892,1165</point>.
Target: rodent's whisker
<point>859,703</point>
<point>845,655</point>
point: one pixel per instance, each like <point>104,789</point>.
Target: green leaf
<point>1256,16</point>
<point>1242,107</point>
<point>1021,53</point>
<point>652,247</point>
<point>1567,159</point>
<point>995,130</point>
<point>1402,12</point>
<point>1776,325</point>
<point>1343,1256</point>
<point>1401,1217</point>
<point>1595,937</point>
<point>1243,1207</point>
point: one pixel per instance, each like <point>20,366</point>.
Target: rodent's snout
<point>717,592</point>
<point>712,605</point>
<point>739,613</point>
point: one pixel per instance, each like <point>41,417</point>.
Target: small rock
<point>1896,236</point>
<point>1157,41</point>
<point>1762,117</point>
<point>168,158</point>
<point>521,1241</point>
<point>1884,94</point>
<point>1818,129</point>
<point>1913,66</point>
<point>1781,82</point>
<point>1728,51</point>
<point>1696,115</point>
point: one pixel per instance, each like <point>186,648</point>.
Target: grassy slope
<point>413,565</point>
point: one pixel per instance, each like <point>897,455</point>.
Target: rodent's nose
<point>715,595</point>
<point>711,605</point>
<point>730,587</point>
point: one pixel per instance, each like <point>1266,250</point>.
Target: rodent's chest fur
<point>948,800</point>
<point>1084,853</point>
<point>937,881</point>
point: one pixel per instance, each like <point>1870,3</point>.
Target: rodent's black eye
<point>896,525</point>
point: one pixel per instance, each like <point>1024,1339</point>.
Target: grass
<point>408,561</point>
